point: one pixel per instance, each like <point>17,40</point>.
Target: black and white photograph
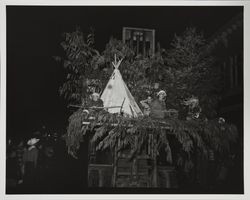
<point>120,99</point>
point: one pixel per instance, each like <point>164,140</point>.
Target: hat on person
<point>162,92</point>
<point>33,141</point>
<point>96,94</point>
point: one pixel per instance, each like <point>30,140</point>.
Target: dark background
<point>34,35</point>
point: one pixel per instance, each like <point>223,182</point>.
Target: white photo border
<point>3,71</point>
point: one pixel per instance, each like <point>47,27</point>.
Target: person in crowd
<point>20,151</point>
<point>11,169</point>
<point>30,158</point>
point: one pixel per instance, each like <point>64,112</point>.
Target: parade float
<point>148,121</point>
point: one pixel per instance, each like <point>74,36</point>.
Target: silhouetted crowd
<point>39,164</point>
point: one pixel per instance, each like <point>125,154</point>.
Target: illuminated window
<point>142,41</point>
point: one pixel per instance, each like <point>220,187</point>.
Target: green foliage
<point>75,132</point>
<point>139,73</point>
<point>78,64</point>
<point>135,133</point>
<point>193,72</point>
<point>182,71</point>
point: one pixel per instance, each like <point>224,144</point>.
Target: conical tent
<point>117,97</point>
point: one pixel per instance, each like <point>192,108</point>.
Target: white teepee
<point>117,94</point>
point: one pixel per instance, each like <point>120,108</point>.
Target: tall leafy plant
<point>79,53</point>
<point>193,71</point>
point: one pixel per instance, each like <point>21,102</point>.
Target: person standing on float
<point>158,106</point>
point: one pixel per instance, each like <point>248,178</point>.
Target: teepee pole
<point>122,105</point>
<point>116,63</point>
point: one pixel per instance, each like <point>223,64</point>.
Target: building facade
<point>227,46</point>
<point>141,40</point>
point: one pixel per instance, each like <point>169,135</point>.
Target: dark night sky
<point>34,35</point>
